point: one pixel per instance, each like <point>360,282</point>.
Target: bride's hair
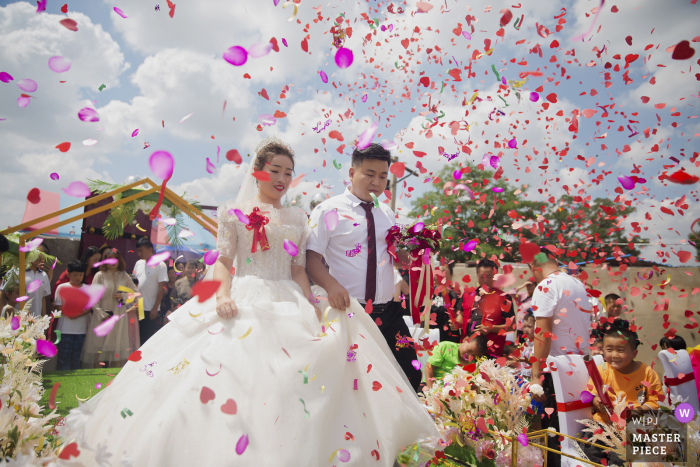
<point>268,149</point>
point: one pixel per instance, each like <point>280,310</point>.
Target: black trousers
<point>392,323</point>
<point>147,328</point>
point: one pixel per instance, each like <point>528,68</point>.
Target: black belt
<point>377,308</point>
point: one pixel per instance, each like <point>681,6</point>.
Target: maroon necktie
<point>371,283</point>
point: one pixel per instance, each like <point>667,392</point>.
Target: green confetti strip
<point>504,101</point>
<point>101,88</point>
<point>127,412</point>
<point>58,336</point>
<point>498,77</point>
<point>307,412</point>
<point>248,260</point>
<point>376,201</point>
<point>306,376</point>
<point>337,165</point>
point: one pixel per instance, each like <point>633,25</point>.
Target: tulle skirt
<point>270,387</point>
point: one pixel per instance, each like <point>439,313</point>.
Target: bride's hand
<point>226,308</point>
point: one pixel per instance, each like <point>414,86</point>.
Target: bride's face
<point>281,170</point>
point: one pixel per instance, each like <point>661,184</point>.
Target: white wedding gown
<point>303,395</point>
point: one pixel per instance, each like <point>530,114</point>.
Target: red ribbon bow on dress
<point>257,222</point>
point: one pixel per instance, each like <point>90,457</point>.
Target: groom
<point>357,254</point>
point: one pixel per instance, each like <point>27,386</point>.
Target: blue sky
<point>159,69</point>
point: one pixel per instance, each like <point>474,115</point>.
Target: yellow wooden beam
<point>71,208</point>
<point>186,207</point>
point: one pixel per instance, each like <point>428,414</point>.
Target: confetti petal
<point>331,220</point>
<point>120,12</point>
<point>267,119</point>
<point>586,397</point>
<point>343,57</point>
<point>14,323</point>
<point>33,286</point>
<point>106,261</point>
<point>534,97</point>
<point>236,55</point>
<point>78,190</point>
<point>135,133</point>
<point>106,326</point>
<point>162,164</point>
<point>90,142</point>
<point>470,246</point>
<point>158,258</point>
<point>366,138</point>
<point>241,217</point>
<point>290,248</point>
<point>87,114</point>
<point>259,50</point>
<point>46,348</point>
<point>5,77</point>
<point>211,168</point>
<point>324,76</point>
<point>27,85</point>
<point>344,455</point>
<point>31,245</point>
<point>63,147</point>
<point>23,101</point>
<point>234,156</point>
<point>69,24</point>
<point>59,64</point>
<point>242,444</point>
<point>626,182</point>
<point>204,290</point>
<point>210,257</point>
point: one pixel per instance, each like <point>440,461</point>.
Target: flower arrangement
<point>479,408</point>
<point>414,237</point>
<point>25,432</point>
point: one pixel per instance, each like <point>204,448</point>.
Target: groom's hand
<point>338,297</point>
<point>226,308</point>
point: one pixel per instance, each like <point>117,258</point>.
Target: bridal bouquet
<point>419,240</point>
<point>478,408</point>
<point>24,429</point>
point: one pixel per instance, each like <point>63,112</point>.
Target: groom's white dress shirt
<point>338,247</point>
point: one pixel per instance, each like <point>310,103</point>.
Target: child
<point>448,355</point>
<point>597,348</point>
<point>677,343</point>
<point>72,329</point>
<point>10,291</point>
<point>624,376</point>
<point>613,306</point>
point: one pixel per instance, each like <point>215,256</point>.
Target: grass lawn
<point>74,383</point>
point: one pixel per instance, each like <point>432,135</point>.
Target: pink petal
<point>512,143</point>
<point>586,397</point>
<point>236,55</point>
<point>260,50</point>
<point>495,162</point>
<point>267,119</point>
<point>59,64</point>
<point>418,227</point>
<point>343,455</point>
<point>120,12</point>
<point>105,328</point>
<point>23,101</point>
<point>158,258</point>
<point>467,35</point>
<point>162,164</point>
<point>241,444</point>
<point>94,292</point>
<point>185,234</point>
<point>135,133</point>
<point>45,348</point>
<point>343,57</point>
<point>389,145</point>
<point>241,217</point>
<point>78,190</point>
<point>276,2</point>
<point>522,438</point>
<point>14,323</point>
<point>284,42</point>
<point>31,245</point>
<point>497,189</point>
<point>106,261</point>
<point>23,298</point>
<point>457,174</point>
<point>40,6</point>
<point>367,137</point>
<point>5,77</point>
<point>87,114</point>
<point>626,182</point>
<point>169,221</point>
<point>69,24</point>
<point>210,257</point>
<point>470,246</point>
<point>211,168</point>
<point>324,76</point>
<point>534,97</point>
<point>331,220</point>
<point>364,98</point>
<point>290,248</point>
<point>90,142</point>
<point>27,85</point>
<point>34,286</point>
<point>186,117</point>
<point>54,176</point>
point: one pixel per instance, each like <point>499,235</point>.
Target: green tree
<point>694,237</point>
<point>293,202</point>
<point>590,230</point>
<point>473,219</point>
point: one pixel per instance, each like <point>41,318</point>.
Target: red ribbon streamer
<point>156,208</point>
<point>597,381</point>
<point>571,406</point>
<point>257,223</point>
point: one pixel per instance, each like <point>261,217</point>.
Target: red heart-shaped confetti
<point>64,8</point>
<point>74,302</point>
<point>263,94</point>
<point>69,451</point>
<point>234,156</point>
<point>552,98</point>
<point>34,196</point>
<point>206,395</point>
<point>63,147</point>
<point>376,386</point>
<point>404,42</point>
<point>425,81</point>
<point>398,169</point>
<point>683,178</point>
<point>230,407</point>
<point>683,51</point>
<point>135,356</point>
<point>335,135</point>
<point>684,256</point>
<point>205,289</point>
<point>528,250</point>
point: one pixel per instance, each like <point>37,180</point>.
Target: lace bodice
<point>235,241</point>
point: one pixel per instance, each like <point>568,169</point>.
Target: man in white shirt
<point>38,304</point>
<point>152,286</point>
<point>561,308</point>
<point>357,253</point>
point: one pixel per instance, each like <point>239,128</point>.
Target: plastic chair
<point>675,365</point>
<point>569,406</point>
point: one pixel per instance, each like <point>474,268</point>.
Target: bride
<point>257,375</point>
